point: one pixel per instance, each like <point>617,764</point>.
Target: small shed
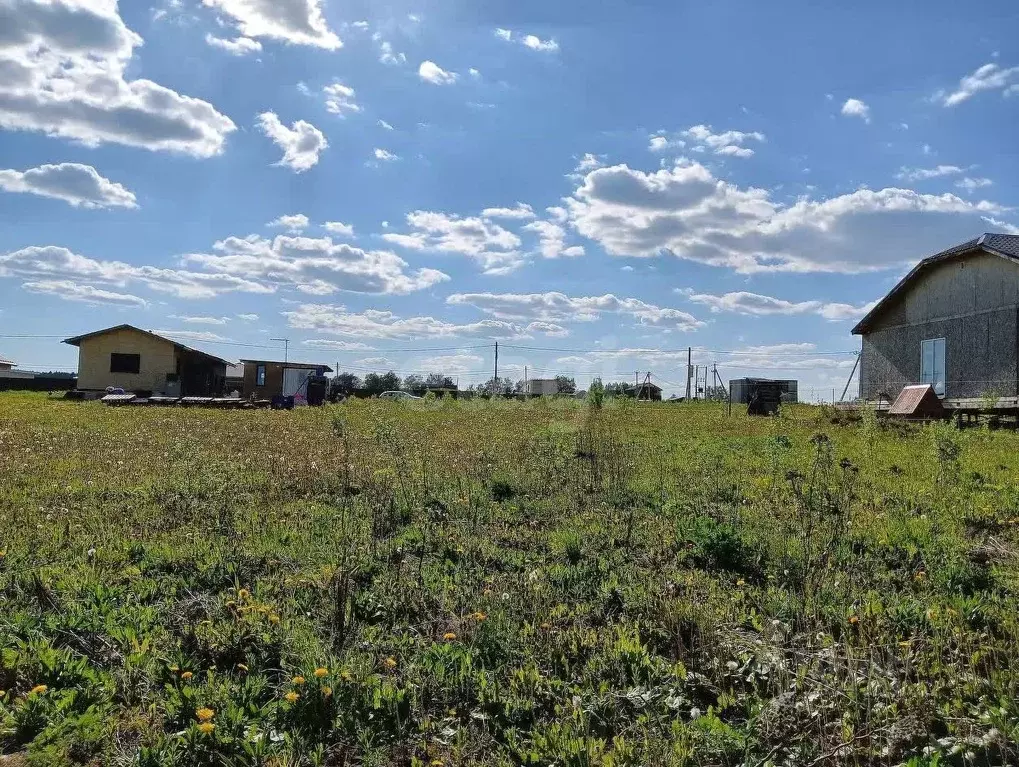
<point>647,391</point>
<point>265,379</point>
<point>741,390</point>
<point>917,401</point>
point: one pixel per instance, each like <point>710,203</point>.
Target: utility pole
<point>286,348</point>
<point>689,362</point>
<point>850,380</point>
<point>495,381</point>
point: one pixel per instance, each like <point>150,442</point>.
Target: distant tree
<point>565,385</point>
<point>376,384</point>
<point>518,387</point>
<point>346,382</point>
<point>615,389</point>
<point>497,387</point>
<point>596,393</point>
<point>439,381</point>
<point>716,394</point>
<point>413,383</point>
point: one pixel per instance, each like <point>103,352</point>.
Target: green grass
<point>504,583</point>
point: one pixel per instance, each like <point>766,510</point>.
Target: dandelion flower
<point>480,616</point>
<point>298,680</point>
<point>291,697</point>
<point>327,692</point>
<point>854,620</point>
<point>274,618</point>
<point>243,594</point>
<point>204,714</point>
<point>390,662</point>
<point>449,636</point>
<point>39,689</point>
<point>186,675</point>
<point>321,672</point>
<point>206,728</point>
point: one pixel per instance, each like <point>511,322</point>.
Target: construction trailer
<point>742,390</point>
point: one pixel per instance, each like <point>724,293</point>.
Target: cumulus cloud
<point>87,294</point>
<point>301,144</point>
<point>52,265</point>
<point>314,266</point>
<point>728,142</point>
<point>239,46</point>
<point>337,346</point>
<point>684,210</point>
<point>533,42</point>
<point>339,228</point>
<point>200,319</point>
<point>493,247</point>
<point>384,155</point>
<point>389,56</point>
<point>248,317</point>
<point>924,174</point>
<point>340,99</point>
<point>558,307</point>
<point>62,72</point>
<point>374,323</point>
<point>298,22</point>
<point>552,240</point>
<point>662,142</point>
<point>74,183</point>
<point>970,185</point>
<point>989,77</point>
<point>755,304</point>
<point>856,108</point>
<point>192,335</point>
<point>432,73</point>
<point>294,222</point>
<point>519,211</point>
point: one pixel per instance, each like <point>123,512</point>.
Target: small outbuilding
<point>265,379</point>
<point>136,360</point>
<point>952,322</point>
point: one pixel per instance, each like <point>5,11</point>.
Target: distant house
<point>742,390</point>
<point>646,391</point>
<point>952,322</point>
<point>5,365</point>
<point>137,360</point>
<point>541,387</point>
<point>8,372</point>
<point>265,379</point>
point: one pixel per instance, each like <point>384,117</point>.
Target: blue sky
<point>606,184</point>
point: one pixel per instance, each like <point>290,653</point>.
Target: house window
<point>125,363</point>
<point>932,364</point>
<point>260,375</point>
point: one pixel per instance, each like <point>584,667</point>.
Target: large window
<point>260,375</point>
<point>125,363</point>
<point>932,364</point>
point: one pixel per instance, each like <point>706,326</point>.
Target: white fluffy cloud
<point>970,185</point>
<point>86,294</point>
<point>374,323</point>
<point>200,319</point>
<point>299,22</point>
<point>340,99</point>
<point>558,307</point>
<point>924,174</point>
<point>493,247</point>
<point>519,211</point>
<point>755,304</point>
<point>989,77</point>
<point>552,240</point>
<point>387,55</point>
<point>314,266</point>
<point>686,211</point>
<point>856,108</point>
<point>62,72</point>
<point>206,336</point>
<point>533,42</point>
<point>301,144</point>
<point>54,266</point>
<point>248,317</point>
<point>662,142</point>
<point>384,155</point>
<point>432,73</point>
<point>336,346</point>
<point>295,222</point>
<point>239,46</point>
<point>338,228</point>
<point>79,185</point>
<point>729,143</point>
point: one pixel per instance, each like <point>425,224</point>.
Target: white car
<point>397,395</point>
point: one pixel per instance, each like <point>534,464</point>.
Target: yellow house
<point>136,360</point>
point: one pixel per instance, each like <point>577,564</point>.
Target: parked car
<point>397,395</point>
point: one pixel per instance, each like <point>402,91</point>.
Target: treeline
<point>376,383</point>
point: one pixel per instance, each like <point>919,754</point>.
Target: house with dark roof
<point>145,363</point>
<point>951,322</point>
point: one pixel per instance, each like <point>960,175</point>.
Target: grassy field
<point>503,583</point>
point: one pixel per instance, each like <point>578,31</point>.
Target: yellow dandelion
<point>480,616</point>
<point>854,620</point>
<point>327,692</point>
<point>274,618</point>
<point>39,689</point>
<point>291,697</point>
<point>186,675</point>
<point>920,575</point>
<point>321,672</point>
<point>175,669</point>
<point>242,667</point>
<point>206,728</point>
<point>390,662</point>
<point>243,594</point>
<point>298,680</point>
<point>449,636</point>
<point>204,714</point>
<point>740,582</point>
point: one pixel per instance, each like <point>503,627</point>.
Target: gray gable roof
<point>1002,245</point>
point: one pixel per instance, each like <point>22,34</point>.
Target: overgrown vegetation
<point>502,583</point>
